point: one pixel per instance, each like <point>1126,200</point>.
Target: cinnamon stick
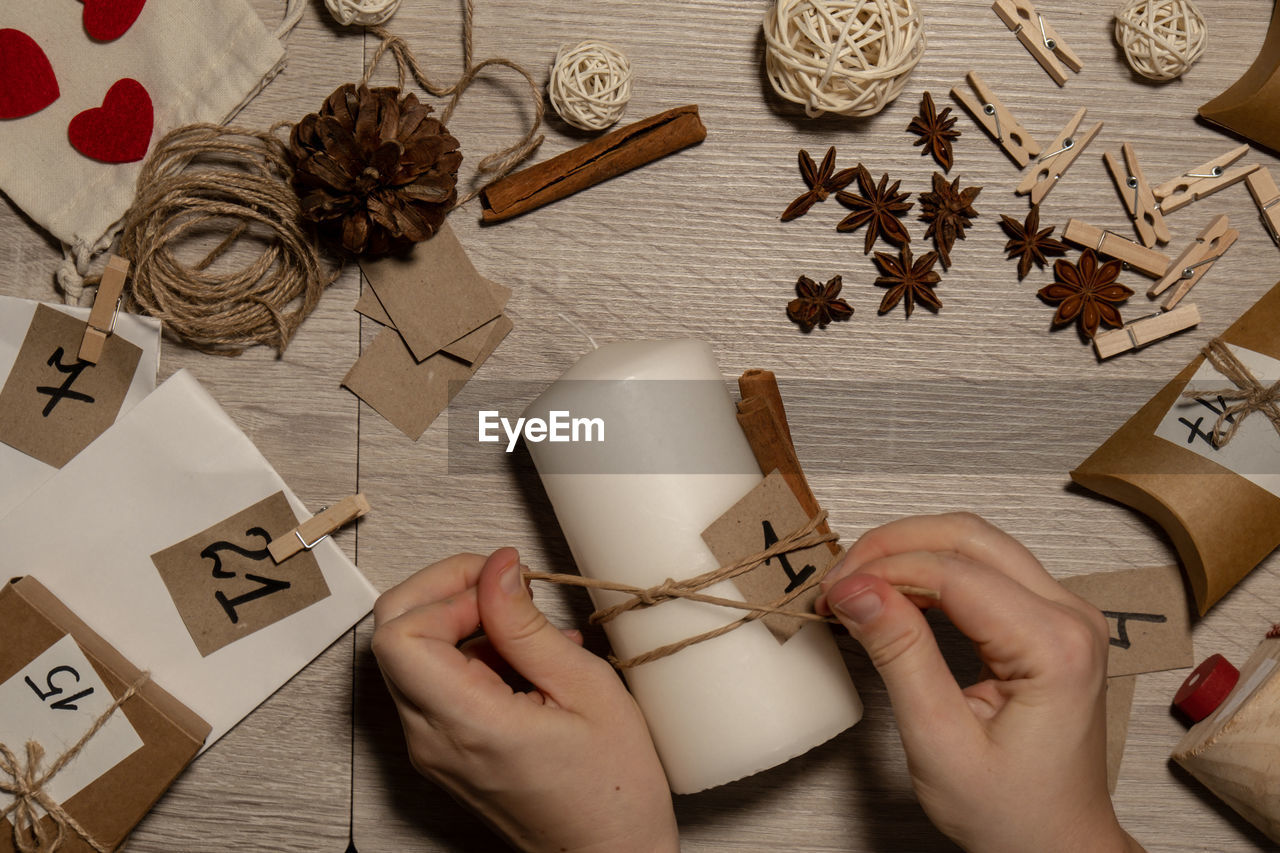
<point>763,418</point>
<point>587,165</point>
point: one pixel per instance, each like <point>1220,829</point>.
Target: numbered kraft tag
<point>1148,616</point>
<point>54,700</point>
<point>1254,451</point>
<point>225,584</point>
<point>769,513</point>
<point>53,404</point>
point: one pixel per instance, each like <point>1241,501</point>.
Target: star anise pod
<point>879,207</point>
<point>374,169</point>
<point>1029,243</point>
<point>1087,290</point>
<point>818,304</point>
<point>936,130</point>
<point>948,210</point>
<point>822,180</point>
<point>908,281</point>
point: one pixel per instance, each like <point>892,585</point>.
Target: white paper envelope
<point>20,474</point>
<point>173,467</point>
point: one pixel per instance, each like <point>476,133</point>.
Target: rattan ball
<point>850,57</point>
<point>1161,38</point>
<point>364,13</point>
<point>590,84</point>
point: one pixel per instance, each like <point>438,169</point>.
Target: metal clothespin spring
<point>309,545</point>
<point>990,109</point>
<point>1044,37</point>
<point>1216,173</point>
<point>1067,145</point>
<point>1189,271</point>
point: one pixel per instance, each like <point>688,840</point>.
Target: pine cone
<point>373,169</point>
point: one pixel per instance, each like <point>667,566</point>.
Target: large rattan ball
<point>1161,38</point>
<point>850,57</point>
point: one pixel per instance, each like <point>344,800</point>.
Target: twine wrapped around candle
<point>691,589</point>
<point>1248,394</point>
<point>26,782</point>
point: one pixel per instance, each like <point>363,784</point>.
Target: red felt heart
<point>107,20</point>
<point>119,131</point>
<point>27,84</point>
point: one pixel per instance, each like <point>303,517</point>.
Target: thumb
<point>522,636</point>
<point>902,647</point>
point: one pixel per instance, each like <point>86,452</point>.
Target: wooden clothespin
<point>1137,197</point>
<point>1203,180</point>
<point>1063,151</point>
<point>1111,244</point>
<point>309,533</point>
<point>1194,262</point>
<point>1263,189</point>
<point>997,121</point>
<point>1141,332</point>
<point>102,317</point>
<point>1038,38</point>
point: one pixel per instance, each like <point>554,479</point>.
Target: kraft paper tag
<point>433,294</point>
<point>54,700</point>
<point>224,582</point>
<point>1119,706</point>
<point>53,405</point>
<point>1254,450</point>
<point>1148,614</point>
<point>469,346</point>
<point>769,513</point>
<point>408,393</point>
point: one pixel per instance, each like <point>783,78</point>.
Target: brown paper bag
<point>1222,524</point>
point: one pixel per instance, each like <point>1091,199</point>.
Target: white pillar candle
<point>633,508</point>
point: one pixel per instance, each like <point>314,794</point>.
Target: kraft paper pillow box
<point>1222,523</point>
<point>160,734</point>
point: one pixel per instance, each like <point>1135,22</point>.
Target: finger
<point>926,699</point>
<point>436,582</point>
<point>1016,631</point>
<point>964,533</point>
<point>521,634</point>
<point>418,654</point>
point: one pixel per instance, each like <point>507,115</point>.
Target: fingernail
<point>512,579</point>
<point>860,606</point>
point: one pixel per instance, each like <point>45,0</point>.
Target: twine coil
<point>590,84</point>
<point>690,589</point>
<point>364,13</point>
<point>1161,39</point>
<point>1246,396</point>
<point>25,781</point>
<point>850,57</point>
<point>200,177</point>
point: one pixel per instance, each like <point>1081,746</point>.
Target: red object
<point>119,131</point>
<point>107,20</point>
<point>1206,687</point>
<point>27,82</point>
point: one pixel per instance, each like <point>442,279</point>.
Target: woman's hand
<point>1016,762</point>
<point>567,765</point>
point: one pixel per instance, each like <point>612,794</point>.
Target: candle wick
<point>580,330</point>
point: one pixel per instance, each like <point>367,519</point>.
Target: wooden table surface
<point>979,407</point>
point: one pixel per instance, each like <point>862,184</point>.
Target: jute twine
<point>203,178</point>
<point>1161,39</point>
<point>850,57</point>
<point>26,782</point>
<point>364,13</point>
<point>498,164</point>
<point>690,589</point>
<point>1246,396</point>
<point>590,84</point>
